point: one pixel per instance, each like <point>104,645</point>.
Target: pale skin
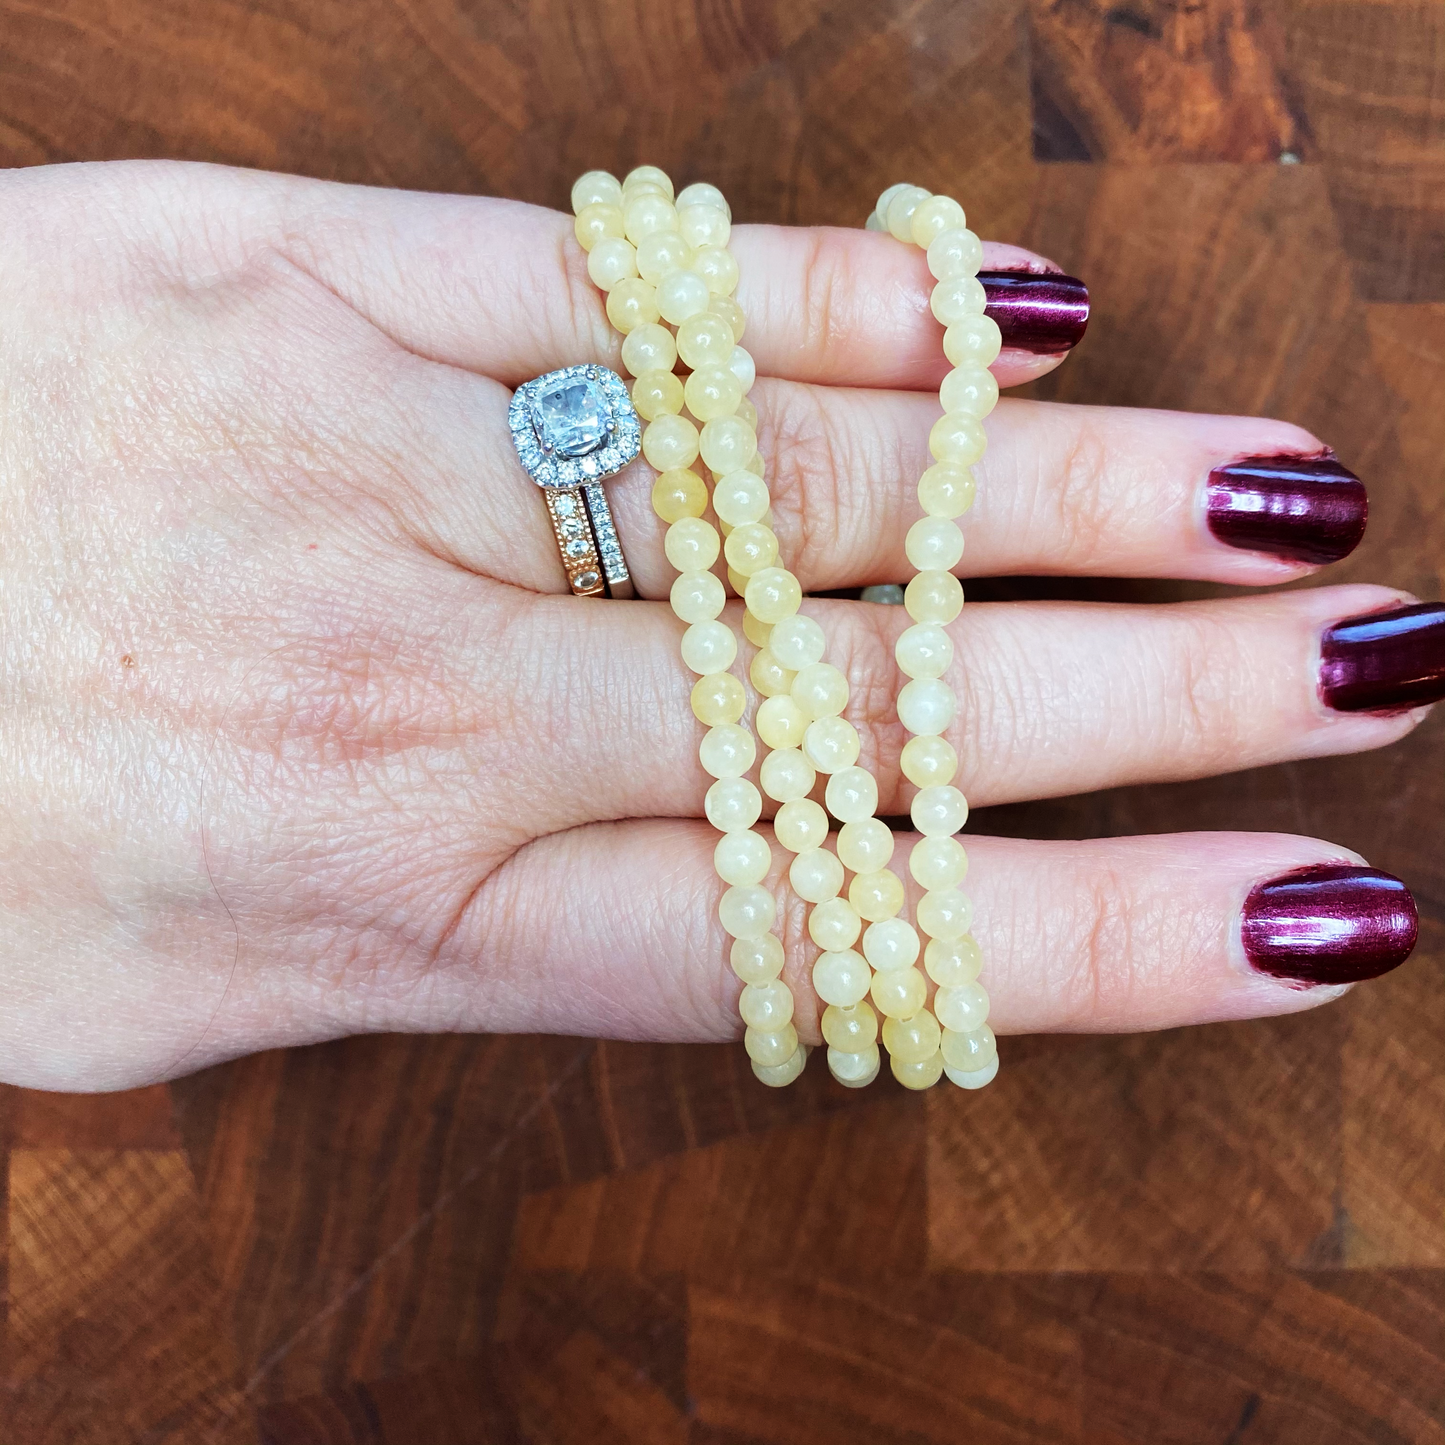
<point>302,737</point>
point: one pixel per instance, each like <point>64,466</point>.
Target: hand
<point>300,739</point>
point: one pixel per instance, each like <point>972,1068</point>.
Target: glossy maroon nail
<point>1331,923</point>
<point>1385,661</point>
<point>1305,509</point>
<point>1043,312</point>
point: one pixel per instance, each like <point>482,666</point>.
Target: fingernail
<point>1305,509</point>
<point>1330,923</point>
<point>1385,661</point>
<point>1040,312</point>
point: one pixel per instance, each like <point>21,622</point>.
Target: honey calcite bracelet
<point>934,545</point>
<point>661,258</point>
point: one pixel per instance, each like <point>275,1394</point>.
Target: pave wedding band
<point>573,429</point>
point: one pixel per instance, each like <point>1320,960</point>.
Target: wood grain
<point>1229,1234</point>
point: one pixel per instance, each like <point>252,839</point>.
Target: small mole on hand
<point>311,546</point>
<point>127,660</point>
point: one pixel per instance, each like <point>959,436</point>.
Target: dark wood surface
<point>1232,1234</point>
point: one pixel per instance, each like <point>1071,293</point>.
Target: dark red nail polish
<point>1043,312</point>
<point>1305,509</point>
<point>1385,661</point>
<point>1331,923</point>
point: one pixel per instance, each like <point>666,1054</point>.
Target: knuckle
<point>1080,521</point>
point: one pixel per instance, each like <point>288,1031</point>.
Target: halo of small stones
<point>549,470</point>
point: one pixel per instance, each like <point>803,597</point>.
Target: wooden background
<point>1232,1234</point>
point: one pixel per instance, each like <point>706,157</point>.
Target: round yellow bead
<point>717,269</point>
<point>679,493</point>
<point>911,1040</point>
<point>934,543</point>
<point>976,1049</point>
<point>938,862</point>
<point>595,188</point>
<point>954,438</point>
<point>921,1075</point>
<point>866,846</point>
<point>748,412</point>
<point>834,925</point>
<point>768,676</point>
<point>697,596</point>
<point>933,217</point>
<point>740,497</point>
<point>930,596</point>
<point>854,1071</point>
<point>727,751</point>
<point>816,875</point>
<point>945,913</point>
<point>756,632</point>
<point>901,209</point>
<point>954,300</point>
<point>782,723</point>
<point>669,442</point>
<point>711,392</point>
<point>648,347</point>
<point>840,976</point>
<point>657,393</point>
<point>631,304</point>
<point>611,261</point>
<point>750,548</point>
<point>646,214</point>
<point>691,544</point>
<point>773,594</point>
<point>852,795</point>
<point>801,824</point>
<point>885,200</point>
<point>974,1078</point>
<point>772,1047</point>
<point>876,896</point>
<point>705,340</point>
<point>681,294</point>
<point>946,490</point>
<point>970,391</point>
<point>923,650</point>
<point>595,223</point>
<point>926,706</point>
<point>731,314</point>
<point>954,962</point>
<point>832,744</point>
<point>961,1009</point>
<point>742,366</point>
<point>742,858</point>
<point>820,690</point>
<point>850,1029</point>
<point>755,960</point>
<point>709,647</point>
<point>660,254</point>
<point>891,944</point>
<point>704,225</point>
<point>787,775</point>
<point>747,910</point>
<point>798,641</point>
<point>703,193</point>
<point>728,444</point>
<point>928,760</point>
<point>898,993</point>
<point>648,176</point>
<point>766,1006</point>
<point>732,804</point>
<point>779,1076</point>
<point>955,253</point>
<point>974,341</point>
<point>718,697</point>
<point>939,810</point>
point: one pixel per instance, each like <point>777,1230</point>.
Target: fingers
<point>1053,698</point>
<point>1103,936</point>
<point>502,288</point>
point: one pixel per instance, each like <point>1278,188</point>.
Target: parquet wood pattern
<point>1232,1234</point>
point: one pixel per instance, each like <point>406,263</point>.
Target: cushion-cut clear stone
<point>571,417</point>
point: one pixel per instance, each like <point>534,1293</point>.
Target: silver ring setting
<point>573,429</point>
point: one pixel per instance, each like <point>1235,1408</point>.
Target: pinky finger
<point>612,930</point>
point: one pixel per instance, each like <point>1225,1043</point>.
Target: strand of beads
<point>663,259</point>
<point>966,1049</point>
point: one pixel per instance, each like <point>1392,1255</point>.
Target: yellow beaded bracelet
<point>661,259</point>
<point>966,1050</point>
